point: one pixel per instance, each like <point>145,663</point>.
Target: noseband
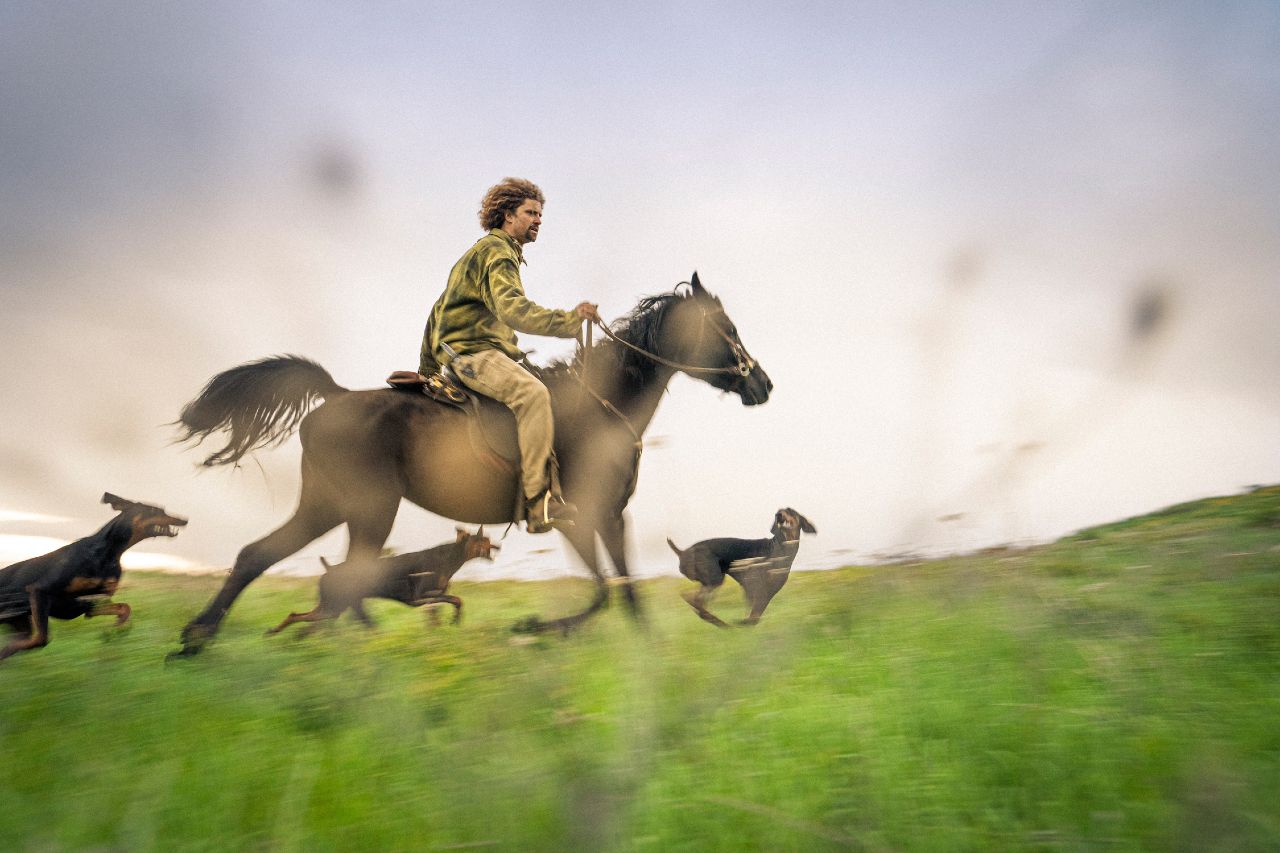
<point>746,363</point>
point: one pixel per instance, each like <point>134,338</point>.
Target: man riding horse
<point>472,329</point>
<point>366,451</point>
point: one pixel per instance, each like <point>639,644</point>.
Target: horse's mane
<point>639,328</point>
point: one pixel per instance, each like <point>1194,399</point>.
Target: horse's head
<point>698,334</point>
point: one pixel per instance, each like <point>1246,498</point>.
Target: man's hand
<point>588,311</point>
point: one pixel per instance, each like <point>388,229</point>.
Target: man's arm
<point>505,298</point>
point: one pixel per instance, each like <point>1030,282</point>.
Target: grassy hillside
<point>1118,689</point>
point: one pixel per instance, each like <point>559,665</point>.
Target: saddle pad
<point>493,426</point>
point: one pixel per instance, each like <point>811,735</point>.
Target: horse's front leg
<point>582,536</point>
<point>613,533</point>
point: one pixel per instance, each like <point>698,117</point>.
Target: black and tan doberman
<point>761,566</point>
<point>414,579</point>
<point>77,579</point>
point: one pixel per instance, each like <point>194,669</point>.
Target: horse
<point>365,450</point>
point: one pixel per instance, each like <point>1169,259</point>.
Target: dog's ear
<point>806,525</point>
<point>118,503</point>
<point>462,534</point>
<point>695,285</point>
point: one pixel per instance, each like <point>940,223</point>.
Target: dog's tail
<point>679,553</point>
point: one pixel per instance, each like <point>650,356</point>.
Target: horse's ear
<point>696,285</point>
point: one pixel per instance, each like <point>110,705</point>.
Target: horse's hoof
<point>184,652</point>
<point>195,633</point>
<point>529,625</point>
<point>194,638</point>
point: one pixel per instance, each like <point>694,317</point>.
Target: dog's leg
<point>762,582</point>
<point>119,609</point>
<point>698,601</point>
<point>39,636</point>
<point>433,615</point>
<point>457,606</point>
<point>311,616</point>
<point>758,599</point>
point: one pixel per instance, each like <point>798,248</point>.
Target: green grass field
<point>1119,689</point>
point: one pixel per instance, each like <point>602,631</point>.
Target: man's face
<point>523,223</point>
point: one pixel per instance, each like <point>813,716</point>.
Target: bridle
<point>745,363</point>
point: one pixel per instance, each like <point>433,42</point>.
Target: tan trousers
<point>491,373</point>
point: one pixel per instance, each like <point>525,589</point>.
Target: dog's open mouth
<point>162,530</point>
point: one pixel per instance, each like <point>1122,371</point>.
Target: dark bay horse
<point>362,451</point>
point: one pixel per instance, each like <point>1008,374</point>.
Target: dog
<point>77,579</point>
<point>414,579</point>
<point>761,566</point>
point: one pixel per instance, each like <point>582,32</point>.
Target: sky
<point>1011,267</point>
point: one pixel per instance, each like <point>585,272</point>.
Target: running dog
<point>413,579</point>
<point>761,566</point>
<point>77,579</point>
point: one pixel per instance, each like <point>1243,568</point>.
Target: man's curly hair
<point>503,198</point>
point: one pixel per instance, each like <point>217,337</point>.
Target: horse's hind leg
<point>369,525</point>
<point>310,522</point>
<point>358,611</point>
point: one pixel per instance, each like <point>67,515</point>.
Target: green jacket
<point>483,306</point>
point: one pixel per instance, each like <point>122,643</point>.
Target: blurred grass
<point>1119,689</point>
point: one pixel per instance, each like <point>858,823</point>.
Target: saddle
<point>437,386</point>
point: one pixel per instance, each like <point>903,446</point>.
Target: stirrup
<point>540,519</point>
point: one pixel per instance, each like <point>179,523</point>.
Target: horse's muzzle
<point>754,388</point>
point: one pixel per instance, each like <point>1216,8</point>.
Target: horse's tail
<point>259,404</point>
